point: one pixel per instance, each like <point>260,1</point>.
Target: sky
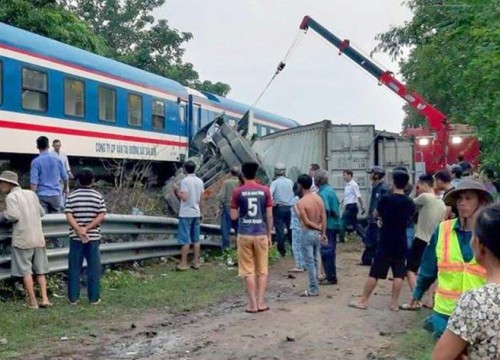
<point>241,42</point>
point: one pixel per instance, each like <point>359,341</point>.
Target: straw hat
<point>467,185</point>
<point>9,177</point>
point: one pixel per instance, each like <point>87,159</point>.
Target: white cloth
<point>351,193</point>
<point>194,187</point>
<point>25,212</point>
<point>431,210</point>
<point>282,191</point>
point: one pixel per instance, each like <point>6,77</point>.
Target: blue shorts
<point>189,230</point>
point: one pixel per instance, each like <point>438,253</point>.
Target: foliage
<point>127,296</point>
<point>274,256</point>
<point>416,344</point>
<point>49,19</point>
<point>135,37</point>
<point>453,63</point>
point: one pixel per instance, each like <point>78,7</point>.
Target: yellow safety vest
<point>455,276</point>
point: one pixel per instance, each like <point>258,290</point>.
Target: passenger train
<point>100,108</point>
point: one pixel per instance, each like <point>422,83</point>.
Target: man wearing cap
<point>449,257</point>
<point>282,194</point>
<point>28,254</point>
<point>378,189</point>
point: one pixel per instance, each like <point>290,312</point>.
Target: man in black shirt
<point>393,213</point>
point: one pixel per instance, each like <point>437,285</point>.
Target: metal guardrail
<point>55,226</point>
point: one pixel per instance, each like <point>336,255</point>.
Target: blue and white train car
<point>98,107</point>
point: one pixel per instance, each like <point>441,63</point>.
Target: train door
<point>196,118</point>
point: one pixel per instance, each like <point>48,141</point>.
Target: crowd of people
<point>440,234</point>
<point>422,233</point>
<point>49,194</point>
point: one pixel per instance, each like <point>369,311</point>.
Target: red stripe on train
<point>86,133</point>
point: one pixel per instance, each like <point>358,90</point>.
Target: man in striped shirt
<point>85,210</point>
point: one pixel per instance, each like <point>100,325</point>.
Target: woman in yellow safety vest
<point>474,327</point>
<point>449,257</point>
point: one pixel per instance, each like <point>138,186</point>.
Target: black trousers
<point>282,218</point>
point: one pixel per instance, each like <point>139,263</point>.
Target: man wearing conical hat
<point>28,254</point>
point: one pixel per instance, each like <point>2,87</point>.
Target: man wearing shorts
<point>431,211</point>
<point>28,255</point>
<point>189,193</point>
<point>394,211</point>
<point>252,205</point>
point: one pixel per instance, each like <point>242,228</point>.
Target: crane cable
<point>298,38</point>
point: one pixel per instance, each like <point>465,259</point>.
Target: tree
<point>49,19</point>
<point>453,63</point>
<point>136,38</point>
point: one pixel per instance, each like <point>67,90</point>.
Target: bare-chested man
<point>313,230</point>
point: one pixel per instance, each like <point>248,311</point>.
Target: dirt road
<point>295,328</point>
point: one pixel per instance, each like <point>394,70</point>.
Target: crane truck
<point>437,145</point>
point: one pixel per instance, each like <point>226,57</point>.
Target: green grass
<point>416,344</point>
<point>125,295</point>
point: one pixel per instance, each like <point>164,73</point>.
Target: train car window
<point>262,131</point>
<point>34,95</point>
<point>182,112</point>
<point>107,104</point>
<point>134,105</point>
<point>74,97</point>
<point>255,130</point>
<point>269,131</point>
<point>158,119</point>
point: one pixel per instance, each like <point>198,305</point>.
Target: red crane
<point>438,157</point>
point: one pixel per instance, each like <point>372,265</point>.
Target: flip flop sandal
<point>195,267</point>
<point>45,306</point>
<point>251,311</point>
<point>307,294</point>
<point>180,268</point>
<point>355,305</point>
<point>264,309</point>
<point>408,307</point>
<point>30,306</point>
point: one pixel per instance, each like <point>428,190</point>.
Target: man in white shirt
<point>56,145</point>
<point>313,170</point>
<point>190,195</point>
<point>352,196</point>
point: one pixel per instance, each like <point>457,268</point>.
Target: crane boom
<point>435,118</point>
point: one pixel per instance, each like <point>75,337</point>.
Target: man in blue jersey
<point>252,205</point>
